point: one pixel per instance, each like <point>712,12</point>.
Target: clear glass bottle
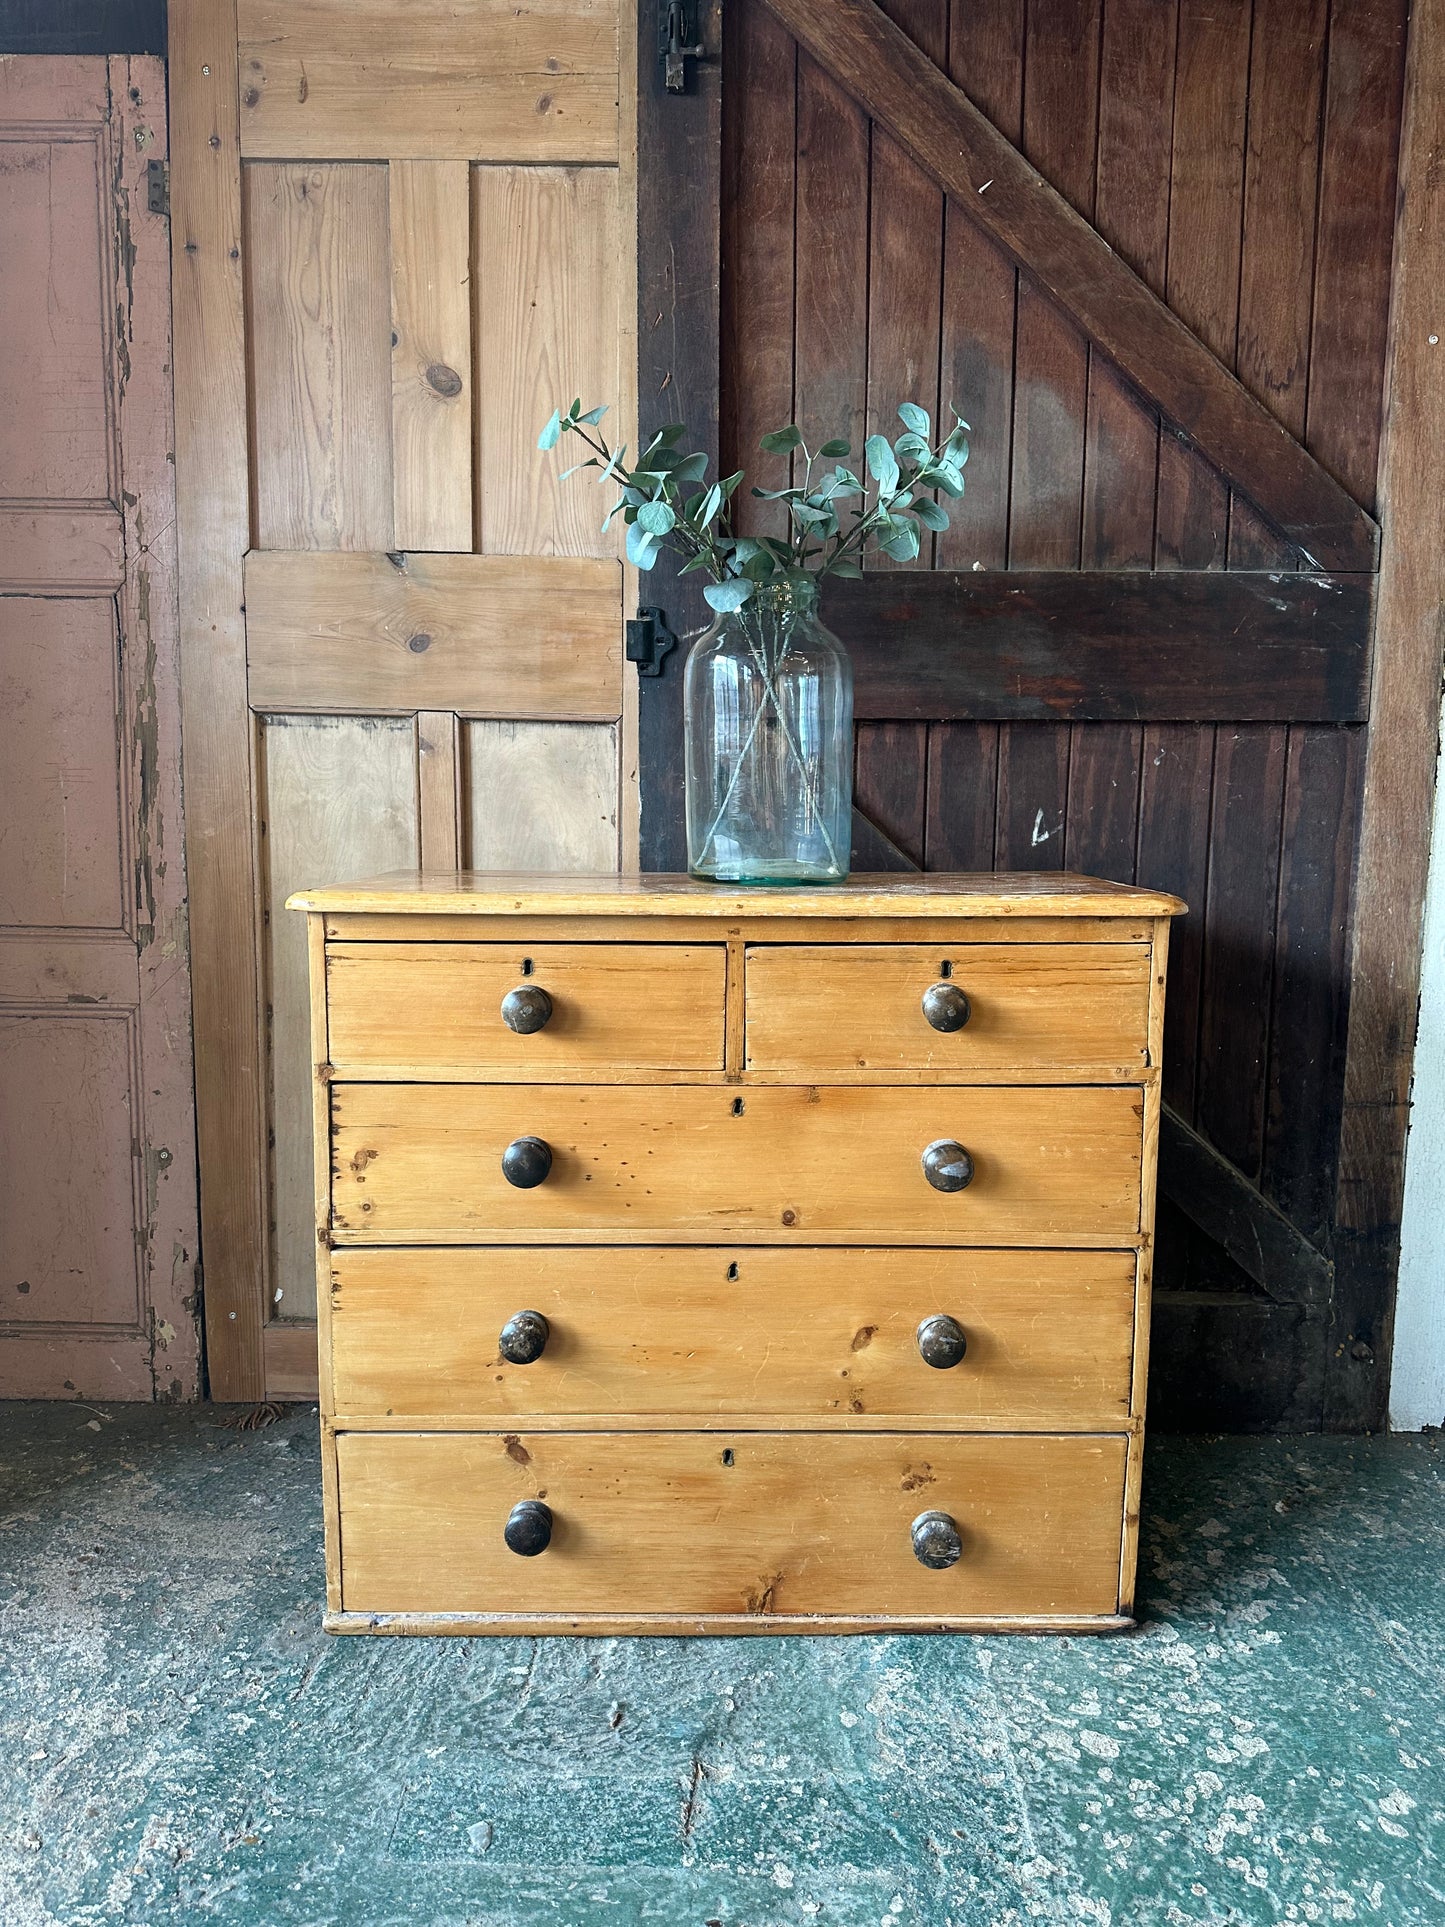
<point>768,714</point>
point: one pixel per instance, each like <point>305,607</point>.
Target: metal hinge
<point>158,187</point>
<point>649,640</point>
<point>677,42</point>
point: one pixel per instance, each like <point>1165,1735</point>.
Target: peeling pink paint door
<point>98,1242</point>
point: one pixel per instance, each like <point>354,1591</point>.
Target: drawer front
<point>424,1161</point>
<point>761,1523</point>
<point>1048,1336</point>
<point>424,1008</point>
<point>1032,1009</point>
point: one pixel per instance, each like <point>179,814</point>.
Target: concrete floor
<point>180,1742</point>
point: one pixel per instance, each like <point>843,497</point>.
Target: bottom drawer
<point>773,1524</point>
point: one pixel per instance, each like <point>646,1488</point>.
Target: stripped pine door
<point>400,236</point>
<point>98,1246</point>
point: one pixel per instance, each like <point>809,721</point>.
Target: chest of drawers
<point>704,1259</point>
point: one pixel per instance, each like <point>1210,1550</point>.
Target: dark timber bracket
<point>1217,1197</point>
<point>902,90</point>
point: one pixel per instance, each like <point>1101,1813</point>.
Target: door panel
<point>98,1237</point>
<point>422,624</point>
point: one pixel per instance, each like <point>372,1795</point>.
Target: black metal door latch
<point>649,639</point>
<point>677,43</point>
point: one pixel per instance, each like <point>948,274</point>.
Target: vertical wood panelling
<point>319,329</point>
<point>1358,155</point>
<point>541,796</point>
<point>760,172</point>
<point>338,798</point>
<point>546,282</point>
<point>439,789</point>
<point>1176,778</point>
<point>962,796</point>
<point>905,259</point>
<point>1244,831</point>
<point>1206,195</point>
<point>890,782</point>
<point>431,354</point>
<point>1131,211</point>
<point>213,522</point>
<point>1103,800</point>
<point>1033,795</point>
<point>980,296</point>
<point>831,348</point>
<point>1051,357</point>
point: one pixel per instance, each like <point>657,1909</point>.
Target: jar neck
<point>784,601</point>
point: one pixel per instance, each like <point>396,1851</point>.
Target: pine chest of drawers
<point>702,1259</point>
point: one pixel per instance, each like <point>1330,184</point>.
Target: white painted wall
<point>1417,1374</point>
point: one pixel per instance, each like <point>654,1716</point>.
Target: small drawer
<point>1028,1011</point>
<point>423,1010</point>
<point>844,1164</point>
<point>759,1523</point>
<point>1046,1337</point>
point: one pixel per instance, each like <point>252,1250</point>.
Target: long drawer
<point>1047,1336</point>
<point>417,1008</point>
<point>424,1161</point>
<point>1006,1010</point>
<point>758,1523</point>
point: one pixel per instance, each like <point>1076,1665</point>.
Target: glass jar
<point>768,716</point>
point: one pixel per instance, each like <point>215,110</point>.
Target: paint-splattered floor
<point>180,1742</point>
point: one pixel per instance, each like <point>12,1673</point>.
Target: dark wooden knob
<point>524,1338</point>
<point>946,1007</point>
<point>942,1341</point>
<point>525,1009</point>
<point>937,1541</point>
<point>528,1530</point>
<point>526,1161</point>
<point>947,1166</point>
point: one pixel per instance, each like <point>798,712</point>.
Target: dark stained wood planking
<point>1276,272</point>
<point>759,186</point>
<point>1051,355</point>
<point>1358,170</point>
<point>905,266</point>
<point>980,296</point>
<point>899,87</point>
<point>962,796</point>
<point>1033,796</point>
<point>1310,996</point>
<point>1206,200</point>
<point>1235,995</point>
<point>890,782</point>
<point>1175,782</point>
<point>831,347</point>
<point>1131,211</point>
<point>1102,827</point>
<point>1180,646</point>
<point>679,326</point>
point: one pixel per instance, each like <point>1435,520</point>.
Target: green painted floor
<point>180,1742</point>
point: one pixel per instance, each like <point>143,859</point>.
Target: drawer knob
<point>524,1338</point>
<point>942,1341</point>
<point>525,1009</point>
<point>947,1166</point>
<point>528,1530</point>
<point>937,1541</point>
<point>526,1161</point>
<point>946,1007</point>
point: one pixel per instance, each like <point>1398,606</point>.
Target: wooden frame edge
<point>685,1625</point>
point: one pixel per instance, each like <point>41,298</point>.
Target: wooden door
<point>401,236</point>
<point>98,1246</point>
<point>1146,249</point>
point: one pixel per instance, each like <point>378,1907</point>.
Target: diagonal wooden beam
<point>991,182</point>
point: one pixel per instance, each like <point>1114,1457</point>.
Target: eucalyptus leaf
<point>691,468</point>
<point>779,440</point>
<point>726,597</point>
<point>593,415</point>
<point>916,418</point>
<point>847,568</point>
<point>833,448</point>
<point>930,514</point>
<point>656,518</point>
<point>882,465</point>
<point>551,434</point>
<point>642,549</point>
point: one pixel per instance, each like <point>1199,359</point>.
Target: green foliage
<point>665,501</point>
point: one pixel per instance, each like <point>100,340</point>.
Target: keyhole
<point>727,1455</point>
<point>737,1107</point>
<point>526,966</point>
<point>733,1273</point>
<point>945,969</point>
